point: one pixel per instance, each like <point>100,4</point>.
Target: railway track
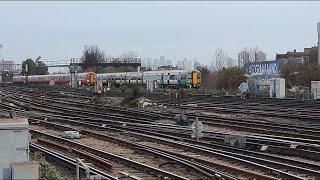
<point>310,154</point>
<point>296,131</point>
<point>199,150</point>
<point>121,119</point>
<point>306,112</point>
<point>68,162</point>
<point>119,162</point>
<point>55,113</point>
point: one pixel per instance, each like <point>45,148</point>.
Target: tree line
<point>300,74</point>
<point>222,74</point>
<point>91,55</point>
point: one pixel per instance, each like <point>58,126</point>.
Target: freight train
<point>173,78</point>
<point>88,78</point>
<point>170,78</point>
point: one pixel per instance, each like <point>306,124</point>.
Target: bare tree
<point>231,62</point>
<point>92,55</point>
<point>220,60</point>
<point>129,56</point>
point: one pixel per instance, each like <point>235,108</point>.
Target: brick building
<point>308,55</point>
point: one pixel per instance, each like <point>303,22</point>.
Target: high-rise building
<point>243,58</point>
<point>1,52</point>
<point>196,65</point>
<point>168,62</point>
<point>187,63</point>
<point>179,64</point>
<point>162,61</point>
<point>143,62</point>
<point>149,63</point>
<point>260,56</point>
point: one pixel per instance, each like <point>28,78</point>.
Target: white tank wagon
<point>88,78</point>
<point>177,78</point>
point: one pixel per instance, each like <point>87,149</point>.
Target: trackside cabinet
<point>277,88</point>
<point>14,146</point>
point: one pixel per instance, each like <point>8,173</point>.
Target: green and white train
<point>170,78</point>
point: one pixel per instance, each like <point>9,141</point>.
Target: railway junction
<point>163,139</point>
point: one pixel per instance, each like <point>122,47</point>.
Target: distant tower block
<point>318,42</point>
<point>1,52</point>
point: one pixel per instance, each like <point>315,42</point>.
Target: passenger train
<point>171,78</point>
<point>176,78</point>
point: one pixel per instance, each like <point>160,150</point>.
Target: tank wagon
<point>173,78</point>
<point>88,78</point>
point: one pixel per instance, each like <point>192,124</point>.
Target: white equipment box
<point>315,89</point>
<point>277,87</point>
<point>14,146</point>
<point>25,170</point>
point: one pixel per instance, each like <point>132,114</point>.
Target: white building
<point>6,65</point>
<point>243,58</point>
<point>162,61</point>
<point>168,62</point>
<point>260,56</point>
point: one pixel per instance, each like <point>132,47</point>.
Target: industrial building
<point>6,65</point>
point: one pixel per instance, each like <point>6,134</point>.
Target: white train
<point>178,78</point>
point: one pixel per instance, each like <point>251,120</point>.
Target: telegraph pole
<point>318,30</point>
<point>73,71</point>
<point>26,71</point>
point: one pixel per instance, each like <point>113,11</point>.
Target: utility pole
<point>318,30</point>
<point>26,71</point>
<point>73,71</point>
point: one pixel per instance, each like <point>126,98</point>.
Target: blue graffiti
<point>263,68</point>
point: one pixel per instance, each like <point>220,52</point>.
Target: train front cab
<point>196,79</point>
<point>91,78</point>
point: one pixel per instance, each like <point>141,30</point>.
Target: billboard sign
<point>263,68</point>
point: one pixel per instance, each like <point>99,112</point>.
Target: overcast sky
<point>60,30</point>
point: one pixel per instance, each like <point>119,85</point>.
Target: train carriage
<point>176,78</point>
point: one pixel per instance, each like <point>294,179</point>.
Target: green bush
<point>47,171</point>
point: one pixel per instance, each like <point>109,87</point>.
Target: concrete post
<point>79,162</point>
<point>77,171</point>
